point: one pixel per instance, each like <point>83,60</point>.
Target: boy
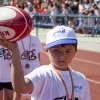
<point>56,81</point>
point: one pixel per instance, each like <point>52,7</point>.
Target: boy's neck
<point>61,69</point>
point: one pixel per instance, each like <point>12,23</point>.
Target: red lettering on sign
<point>7,33</point>
<point>4,33</point>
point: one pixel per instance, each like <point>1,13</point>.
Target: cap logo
<point>60,33</point>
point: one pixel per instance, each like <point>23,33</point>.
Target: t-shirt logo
<point>32,55</point>
<point>5,53</point>
<point>78,88</point>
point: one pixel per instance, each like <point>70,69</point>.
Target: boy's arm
<point>19,84</point>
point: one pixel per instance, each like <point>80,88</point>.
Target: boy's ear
<point>44,47</point>
<point>45,50</point>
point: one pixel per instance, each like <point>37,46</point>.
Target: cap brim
<point>63,41</point>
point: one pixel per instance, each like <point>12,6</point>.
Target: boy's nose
<point>62,54</point>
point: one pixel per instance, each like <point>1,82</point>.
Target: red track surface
<point>87,63</point>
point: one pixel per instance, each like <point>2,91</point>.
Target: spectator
<point>91,21</point>
<point>90,4</point>
<point>6,89</point>
<point>26,7</point>
<point>21,4</point>
<point>64,12</point>
<point>54,11</point>
<point>74,7</point>
<point>69,10</point>
<point>35,9</point>
<point>97,13</point>
<point>59,4</point>
<point>80,7</point>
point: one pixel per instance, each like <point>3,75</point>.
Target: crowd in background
<point>67,7</point>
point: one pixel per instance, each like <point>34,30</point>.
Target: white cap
<point>60,35</point>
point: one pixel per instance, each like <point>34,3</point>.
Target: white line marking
<point>93,81</point>
<point>91,63</point>
<point>87,61</point>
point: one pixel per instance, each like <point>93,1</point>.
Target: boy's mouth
<point>61,61</point>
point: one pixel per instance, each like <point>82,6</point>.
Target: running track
<point>87,63</point>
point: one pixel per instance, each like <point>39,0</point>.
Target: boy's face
<point>61,55</point>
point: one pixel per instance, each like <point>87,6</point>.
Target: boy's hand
<point>8,44</point>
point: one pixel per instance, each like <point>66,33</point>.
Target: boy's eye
<point>68,51</point>
<point>55,50</point>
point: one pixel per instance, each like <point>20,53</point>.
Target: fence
<point>75,21</point>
